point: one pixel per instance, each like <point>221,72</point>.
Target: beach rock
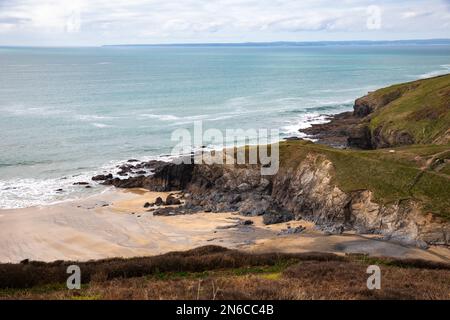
<point>159,201</point>
<point>132,182</point>
<point>169,177</point>
<point>168,212</point>
<point>254,206</point>
<point>147,205</point>
<point>81,183</point>
<point>126,167</point>
<point>290,231</point>
<point>332,229</point>
<point>171,200</point>
<point>125,170</point>
<point>242,224</point>
<point>275,218</point>
<point>102,177</point>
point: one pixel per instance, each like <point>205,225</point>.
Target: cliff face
<point>306,190</point>
<point>309,192</point>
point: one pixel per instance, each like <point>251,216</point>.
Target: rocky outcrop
<point>403,221</point>
<point>411,113</point>
<point>360,137</point>
<point>306,192</point>
<point>169,177</point>
<point>354,129</point>
<point>334,133</point>
<point>163,176</point>
<point>390,138</point>
<point>372,102</point>
<point>230,188</point>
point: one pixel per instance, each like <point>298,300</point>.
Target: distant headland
<point>296,43</point>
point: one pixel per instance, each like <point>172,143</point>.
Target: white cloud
<point>123,21</point>
<point>409,14</point>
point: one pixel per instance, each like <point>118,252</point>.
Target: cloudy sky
<point>98,22</point>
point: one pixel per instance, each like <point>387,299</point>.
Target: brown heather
<point>218,273</point>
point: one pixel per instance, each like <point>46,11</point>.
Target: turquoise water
<point>66,114</point>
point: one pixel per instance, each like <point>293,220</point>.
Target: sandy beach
<point>116,224</point>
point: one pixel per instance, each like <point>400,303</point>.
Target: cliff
<point>402,194</point>
<point>404,114</point>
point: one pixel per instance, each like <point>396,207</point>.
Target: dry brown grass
<point>27,275</point>
<point>260,277</point>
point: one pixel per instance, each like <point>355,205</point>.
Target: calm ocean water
<point>66,114</point>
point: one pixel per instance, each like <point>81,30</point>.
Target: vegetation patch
<point>421,109</point>
<point>261,276</point>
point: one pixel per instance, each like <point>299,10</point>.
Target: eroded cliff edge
<point>397,194</point>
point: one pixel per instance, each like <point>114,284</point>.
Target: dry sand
<point>115,224</point>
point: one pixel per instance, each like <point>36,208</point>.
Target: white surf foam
<point>445,69</point>
<point>93,117</point>
<point>162,117</point>
<point>293,126</point>
<point>23,193</point>
<point>101,125</point>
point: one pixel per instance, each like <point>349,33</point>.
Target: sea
<point>67,114</point>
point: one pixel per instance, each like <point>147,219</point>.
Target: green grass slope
<point>420,108</point>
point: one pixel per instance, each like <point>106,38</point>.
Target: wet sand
<point>116,224</point>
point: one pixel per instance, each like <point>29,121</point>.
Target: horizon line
<point>283,42</point>
<point>435,41</point>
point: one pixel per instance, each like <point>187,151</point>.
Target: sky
<point>101,22</point>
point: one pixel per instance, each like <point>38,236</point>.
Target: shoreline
<point>335,132</point>
<point>80,192</point>
<point>116,224</point>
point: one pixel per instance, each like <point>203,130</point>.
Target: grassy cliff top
<point>420,108</point>
<point>420,172</point>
